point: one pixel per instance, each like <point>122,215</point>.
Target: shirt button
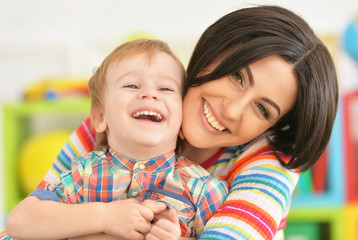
<point>141,166</point>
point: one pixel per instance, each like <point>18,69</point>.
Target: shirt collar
<point>156,164</point>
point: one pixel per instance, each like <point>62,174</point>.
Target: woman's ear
<point>99,122</point>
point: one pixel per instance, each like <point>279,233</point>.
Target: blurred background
<point>48,50</point>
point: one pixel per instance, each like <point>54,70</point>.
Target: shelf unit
<point>323,210</point>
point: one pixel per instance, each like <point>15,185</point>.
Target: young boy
<point>136,98</point>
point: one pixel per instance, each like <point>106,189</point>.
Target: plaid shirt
<point>106,175</point>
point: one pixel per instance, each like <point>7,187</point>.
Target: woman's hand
<point>130,219</point>
<point>166,226</point>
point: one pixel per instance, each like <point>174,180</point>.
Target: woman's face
<point>235,109</point>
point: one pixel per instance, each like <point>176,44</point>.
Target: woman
<point>259,108</point>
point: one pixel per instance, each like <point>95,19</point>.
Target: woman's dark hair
<point>250,34</point>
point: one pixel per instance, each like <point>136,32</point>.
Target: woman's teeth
<point>151,115</point>
<point>211,119</point>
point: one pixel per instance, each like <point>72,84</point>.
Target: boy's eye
<point>262,110</point>
<point>238,77</point>
<point>165,89</point>
<point>133,86</point>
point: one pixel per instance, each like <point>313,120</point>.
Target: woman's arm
<point>81,141</point>
<point>260,190</point>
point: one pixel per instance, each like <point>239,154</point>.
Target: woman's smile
<point>211,118</point>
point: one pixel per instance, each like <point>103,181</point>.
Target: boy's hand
<point>166,227</point>
<point>129,219</point>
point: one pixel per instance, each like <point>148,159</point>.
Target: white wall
<point>42,38</point>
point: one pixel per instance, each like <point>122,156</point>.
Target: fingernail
<point>161,204</point>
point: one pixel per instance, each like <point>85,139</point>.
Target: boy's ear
<point>99,122</point>
<point>181,134</point>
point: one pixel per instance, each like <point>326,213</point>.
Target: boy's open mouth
<point>148,115</point>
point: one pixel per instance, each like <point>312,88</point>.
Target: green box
<point>302,231</point>
<point>18,125</point>
<point>331,219</point>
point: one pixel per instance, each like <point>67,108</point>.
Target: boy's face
<point>142,105</point>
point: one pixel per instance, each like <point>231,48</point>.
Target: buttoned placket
<point>136,184</point>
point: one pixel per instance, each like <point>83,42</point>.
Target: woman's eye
<point>262,110</point>
<point>238,77</point>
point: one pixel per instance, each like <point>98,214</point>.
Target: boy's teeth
<point>211,119</point>
<point>158,116</point>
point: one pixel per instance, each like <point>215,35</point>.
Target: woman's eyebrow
<point>269,101</point>
<point>273,104</point>
<point>249,73</point>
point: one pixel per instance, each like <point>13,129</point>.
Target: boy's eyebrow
<point>269,101</point>
<point>162,75</point>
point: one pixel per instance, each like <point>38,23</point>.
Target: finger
<point>145,212</point>
<point>165,229</point>
<point>154,206</point>
<point>135,236</point>
<point>151,237</point>
<point>143,227</point>
<point>131,200</point>
<point>166,225</point>
<point>170,215</point>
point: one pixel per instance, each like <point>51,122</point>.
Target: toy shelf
<point>332,218</point>
<point>351,216</point>
<point>350,109</point>
<point>323,185</point>
<point>18,120</point>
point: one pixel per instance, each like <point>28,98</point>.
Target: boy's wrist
<point>100,215</point>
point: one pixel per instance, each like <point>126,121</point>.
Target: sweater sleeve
<point>260,191</point>
<point>80,142</point>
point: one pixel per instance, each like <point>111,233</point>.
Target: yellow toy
<point>57,88</point>
<point>36,157</point>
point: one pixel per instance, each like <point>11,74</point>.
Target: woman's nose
<point>234,108</point>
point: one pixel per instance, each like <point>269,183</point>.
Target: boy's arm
<point>40,219</point>
<point>53,218</point>
<point>97,236</point>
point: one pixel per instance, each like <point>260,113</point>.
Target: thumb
<point>172,216</point>
<point>155,207</point>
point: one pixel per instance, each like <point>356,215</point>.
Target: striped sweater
<point>260,189</point>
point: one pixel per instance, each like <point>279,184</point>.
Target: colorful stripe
<point>260,189</point>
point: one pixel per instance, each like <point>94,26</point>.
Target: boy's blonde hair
<point>97,82</point>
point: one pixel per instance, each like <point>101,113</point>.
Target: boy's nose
<point>149,93</point>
